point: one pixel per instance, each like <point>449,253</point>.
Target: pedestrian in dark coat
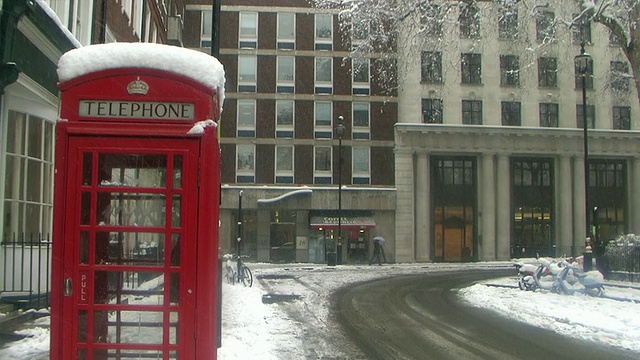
<point>378,251</point>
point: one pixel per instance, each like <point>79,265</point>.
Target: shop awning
<point>331,222</point>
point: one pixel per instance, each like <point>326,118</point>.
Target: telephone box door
<point>129,281</point>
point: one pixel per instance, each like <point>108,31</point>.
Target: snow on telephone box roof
<point>196,65</point>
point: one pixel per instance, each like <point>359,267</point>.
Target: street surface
<point>419,317</point>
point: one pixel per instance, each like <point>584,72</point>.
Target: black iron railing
<point>26,268</point>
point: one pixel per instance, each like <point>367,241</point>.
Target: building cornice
<point>515,140</point>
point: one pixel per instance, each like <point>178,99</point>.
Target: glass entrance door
<point>128,289</point>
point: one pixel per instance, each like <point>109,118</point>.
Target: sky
<point>255,329</point>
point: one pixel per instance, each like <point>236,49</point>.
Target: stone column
<point>264,235</point>
<point>405,216</point>
<point>564,220</point>
<point>423,207</point>
<point>503,205</point>
<point>487,248</point>
<point>579,221</point>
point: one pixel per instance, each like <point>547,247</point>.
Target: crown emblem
<point>138,87</point>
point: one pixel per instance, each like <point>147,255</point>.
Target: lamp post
<point>339,131</point>
<point>239,238</point>
<point>583,63</point>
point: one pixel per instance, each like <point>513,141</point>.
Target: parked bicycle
<point>241,273</point>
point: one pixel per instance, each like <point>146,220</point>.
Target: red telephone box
<point>135,211</point>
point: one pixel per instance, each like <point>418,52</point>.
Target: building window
<point>284,119</point>
<point>547,72</point>
<point>588,77</point>
<point>285,74</point>
<point>432,111</point>
<point>472,112</point>
<point>431,66</point>
<point>360,121</point>
<point>621,118</point>
<point>620,75</point>
<point>28,176</point>
<point>322,119</point>
<point>430,20</point>
<point>591,111</point>
<point>247,68</point>
<point>509,70</point>
<point>284,164</point>
<point>248,33</point>
<point>548,115</point>
<point>286,31</point>
<point>581,30</point>
<point>511,113</point>
<point>245,168</point>
<point>508,23</point>
<point>545,26</point>
<point>469,22</point>
<point>361,165</point>
<point>205,29</point>
<point>246,118</point>
<point>324,31</point>
<point>322,165</point>
<point>471,68</point>
<point>323,75</point>
<point>360,76</point>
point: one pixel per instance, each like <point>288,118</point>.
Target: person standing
<point>378,250</point>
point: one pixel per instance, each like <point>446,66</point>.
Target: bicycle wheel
<point>231,275</point>
<point>247,277</point>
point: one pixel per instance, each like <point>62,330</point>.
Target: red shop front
<point>135,208</point>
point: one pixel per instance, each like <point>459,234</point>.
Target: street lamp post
<point>340,132</point>
<point>583,63</point>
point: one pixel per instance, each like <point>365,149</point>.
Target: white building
<point>489,140</point>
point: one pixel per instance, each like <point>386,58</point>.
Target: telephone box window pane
<point>176,209</point>
<point>173,329</point>
<point>174,288</point>
<point>134,170</point>
<point>82,326</point>
<point>84,248</point>
<point>126,248</point>
<point>175,250</point>
<point>85,208</point>
<point>87,166</point>
<point>130,287</point>
<point>177,171</point>
<point>126,209</point>
<point>129,327</point>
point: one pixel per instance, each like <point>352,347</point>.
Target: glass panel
<point>82,354</point>
<point>85,208</point>
<point>127,248</point>
<point>177,171</point>
<point>128,287</point>
<point>176,209</point>
<point>128,327</point>
<point>82,326</point>
<point>131,209</point>
<point>87,166</point>
<point>83,256</point>
<point>13,178</point>
<point>32,217</point>
<point>34,179</point>
<point>133,170</point>
<point>173,328</point>
<point>35,137</point>
<point>15,132</point>
<point>48,141</point>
